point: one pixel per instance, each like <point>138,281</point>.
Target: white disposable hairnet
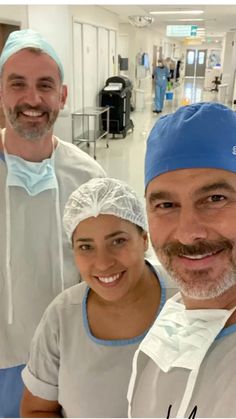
<point>103,196</point>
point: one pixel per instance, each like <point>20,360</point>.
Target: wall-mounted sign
<point>181,30</point>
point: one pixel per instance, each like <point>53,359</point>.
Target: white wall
<point>14,15</point>
<point>54,23</point>
<point>94,15</point>
<point>229,62</point>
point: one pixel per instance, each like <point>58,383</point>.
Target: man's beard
<point>31,131</point>
<point>198,284</point>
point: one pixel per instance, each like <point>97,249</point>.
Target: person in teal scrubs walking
<point>161,76</point>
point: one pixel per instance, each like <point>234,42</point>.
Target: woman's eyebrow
<point>115,233</point>
<point>108,236</point>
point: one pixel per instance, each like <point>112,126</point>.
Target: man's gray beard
<point>200,292</point>
<point>196,288</point>
<point>31,133</point>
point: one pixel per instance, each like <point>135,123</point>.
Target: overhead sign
<point>181,30</point>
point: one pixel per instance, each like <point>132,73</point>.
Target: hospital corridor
<point>117,196</point>
<point>124,159</point>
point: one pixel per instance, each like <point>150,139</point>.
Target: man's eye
<point>164,205</point>
<point>17,84</point>
<point>45,86</point>
<point>216,198</point>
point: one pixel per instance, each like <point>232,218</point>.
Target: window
<point>201,57</point>
<point>190,57</point>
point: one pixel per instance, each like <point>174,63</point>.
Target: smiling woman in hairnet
<point>81,354</point>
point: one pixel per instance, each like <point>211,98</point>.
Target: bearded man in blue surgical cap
<point>38,172</point>
<point>185,366</point>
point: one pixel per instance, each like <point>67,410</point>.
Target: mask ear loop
<point>60,241</point>
<point>58,222</point>
<point>8,245</point>
<point>188,393</point>
<point>8,257</point>
<point>132,381</point>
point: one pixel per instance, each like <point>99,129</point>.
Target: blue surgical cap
<point>201,135</point>
<point>27,38</point>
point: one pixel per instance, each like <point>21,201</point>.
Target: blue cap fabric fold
<point>27,38</point>
<point>201,135</point>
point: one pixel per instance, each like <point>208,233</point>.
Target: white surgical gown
<point>35,267</point>
<point>88,376</point>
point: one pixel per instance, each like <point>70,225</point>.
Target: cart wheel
<point>88,145</point>
<point>123,134</point>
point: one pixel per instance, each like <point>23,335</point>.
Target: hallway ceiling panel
<point>218,19</point>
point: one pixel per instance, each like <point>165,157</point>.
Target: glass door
<point>201,63</point>
<point>190,63</point>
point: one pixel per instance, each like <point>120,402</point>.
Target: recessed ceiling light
<point>177,12</point>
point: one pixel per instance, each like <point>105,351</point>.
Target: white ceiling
<point>218,19</point>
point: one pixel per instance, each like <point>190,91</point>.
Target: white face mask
<point>34,177</point>
<point>180,338</point>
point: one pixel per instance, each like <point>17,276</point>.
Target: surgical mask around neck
<point>180,338</point>
<point>34,177</point>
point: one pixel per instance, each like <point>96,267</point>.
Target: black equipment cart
<point>116,94</point>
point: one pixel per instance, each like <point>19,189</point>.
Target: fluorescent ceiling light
<point>177,12</point>
<point>188,20</point>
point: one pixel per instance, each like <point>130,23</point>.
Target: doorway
<point>5,30</point>
<point>195,62</point>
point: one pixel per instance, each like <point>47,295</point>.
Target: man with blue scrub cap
<point>38,172</point>
<point>185,366</point>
